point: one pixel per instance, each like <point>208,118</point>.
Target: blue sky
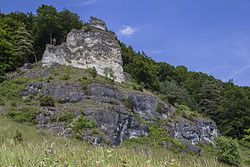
<point>211,36</point>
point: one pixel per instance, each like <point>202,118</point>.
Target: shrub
<point>87,28</point>
<point>67,117</point>
<point>18,137</point>
<point>13,104</point>
<point>227,150</point>
<point>83,122</point>
<point>160,108</point>
<point>65,77</point>
<point>85,81</point>
<point>92,72</point>
<point>109,73</point>
<point>11,89</point>
<point>47,101</point>
<point>95,131</point>
<point>26,114</point>
<point>129,103</point>
<point>1,102</point>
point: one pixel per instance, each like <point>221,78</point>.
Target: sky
<point>210,36</point>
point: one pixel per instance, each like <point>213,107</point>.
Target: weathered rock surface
<point>90,47</point>
<point>202,131</point>
<point>64,92</point>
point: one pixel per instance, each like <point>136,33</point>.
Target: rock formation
<point>92,46</point>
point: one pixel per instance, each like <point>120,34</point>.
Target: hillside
<point>89,91</point>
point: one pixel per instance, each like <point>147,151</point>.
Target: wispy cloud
<point>128,30</point>
<point>155,52</point>
<point>88,2</point>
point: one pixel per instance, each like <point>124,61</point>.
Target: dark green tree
<point>47,18</point>
<point>23,45</point>
<point>210,99</point>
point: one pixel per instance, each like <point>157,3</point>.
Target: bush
<point>129,103</point>
<point>92,72</point>
<point>65,77</point>
<point>26,114</point>
<point>47,101</point>
<point>18,137</point>
<point>67,117</point>
<point>11,89</point>
<point>1,102</point>
<point>227,150</point>
<point>109,74</point>
<point>82,123</point>
<point>85,81</point>
<point>160,108</point>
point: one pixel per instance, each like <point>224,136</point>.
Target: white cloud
<point>155,52</point>
<point>88,2</point>
<point>128,31</point>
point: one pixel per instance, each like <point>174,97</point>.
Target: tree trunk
<point>35,57</point>
<point>50,37</point>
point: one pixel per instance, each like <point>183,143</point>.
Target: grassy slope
<point>67,152</point>
<point>75,153</point>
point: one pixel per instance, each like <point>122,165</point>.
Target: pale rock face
<point>86,49</point>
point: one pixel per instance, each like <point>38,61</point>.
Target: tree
<point>47,17</point>
<point>210,99</point>
<point>8,57</point>
<point>68,21</point>
<point>173,92</point>
<point>234,112</point>
<point>23,45</point>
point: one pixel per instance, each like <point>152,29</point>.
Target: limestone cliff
<point>92,46</point>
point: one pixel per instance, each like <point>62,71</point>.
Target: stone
<point>202,131</point>
<point>87,49</point>
<point>26,66</point>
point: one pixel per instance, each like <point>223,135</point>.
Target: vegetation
<point>39,149</point>
<point>23,38</point>
<point>225,103</point>
<point>46,101</point>
<point>228,151</point>
<point>26,114</point>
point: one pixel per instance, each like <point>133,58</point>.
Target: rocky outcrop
<point>63,92</point>
<point>116,123</point>
<point>202,131</point>
<point>92,46</point>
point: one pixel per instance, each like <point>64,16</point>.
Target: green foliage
<point>26,114</point>
<point>87,28</point>
<point>95,131</point>
<point>129,103</point>
<point>85,81</point>
<point>92,72</point>
<point>247,135</point>
<point>46,101</point>
<point>65,77</point>
<point>82,123</point>
<point>13,104</point>
<point>186,112</point>
<point>227,150</point>
<point>160,108</point>
<point>234,111</point>
<point>1,101</point>
<point>18,137</point>
<point>209,99</point>
<point>11,89</point>
<point>156,137</point>
<point>173,93</point>
<point>67,117</point>
<point>109,73</point>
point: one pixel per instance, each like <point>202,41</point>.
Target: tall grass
<point>69,152</point>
